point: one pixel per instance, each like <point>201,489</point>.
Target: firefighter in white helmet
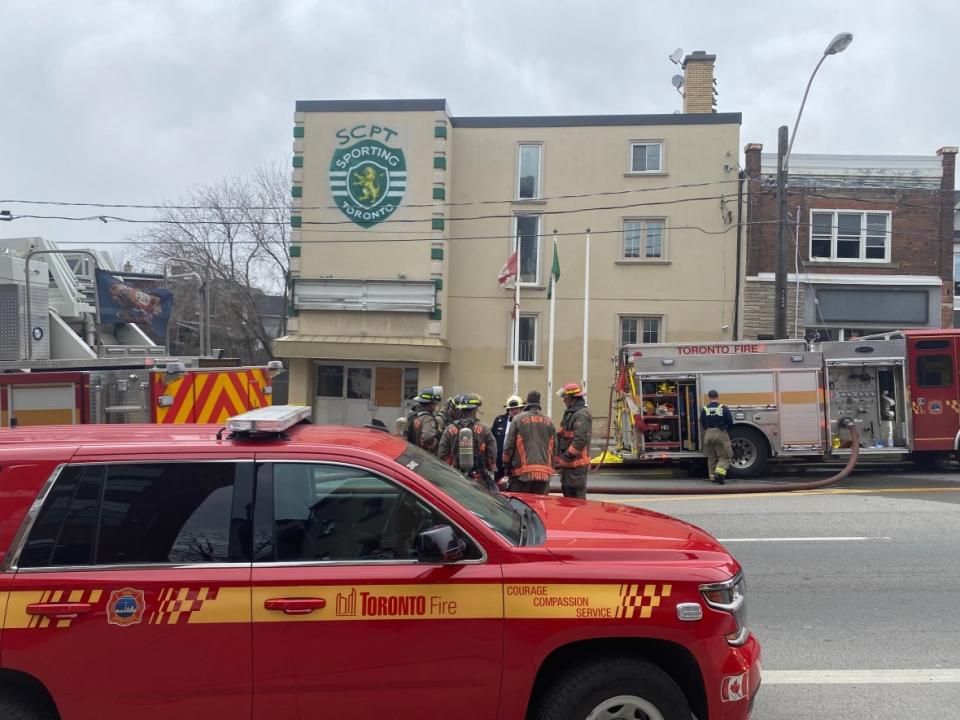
<point>501,426</point>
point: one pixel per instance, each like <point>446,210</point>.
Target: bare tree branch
<point>237,230</point>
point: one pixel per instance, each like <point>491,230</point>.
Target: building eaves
<point>411,105</point>
<point>518,121</point>
<point>548,121</point>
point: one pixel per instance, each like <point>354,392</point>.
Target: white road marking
<point>805,539</point>
<point>859,677</point>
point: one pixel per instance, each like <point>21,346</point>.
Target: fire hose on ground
<point>737,488</point>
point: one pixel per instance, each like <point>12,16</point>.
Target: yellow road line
<point>824,491</point>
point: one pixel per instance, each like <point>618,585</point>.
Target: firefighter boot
<point>721,477</point>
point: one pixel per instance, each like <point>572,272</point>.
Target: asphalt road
<point>853,590</point>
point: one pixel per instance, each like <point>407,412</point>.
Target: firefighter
<point>468,444</point>
<point>716,420</point>
<point>423,427</point>
<point>529,451</point>
<point>573,441</point>
<point>501,426</point>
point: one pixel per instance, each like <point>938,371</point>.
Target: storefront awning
<point>370,347</point>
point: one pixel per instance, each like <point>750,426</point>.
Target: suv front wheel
<point>613,688</point>
<point>17,705</point>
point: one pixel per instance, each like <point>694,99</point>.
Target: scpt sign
<point>368,173</point>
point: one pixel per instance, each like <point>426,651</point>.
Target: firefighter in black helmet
<point>423,428</point>
<point>468,444</point>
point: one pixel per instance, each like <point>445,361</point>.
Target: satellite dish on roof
<point>677,81</point>
<point>676,56</point>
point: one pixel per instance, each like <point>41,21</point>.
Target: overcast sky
<point>135,102</point>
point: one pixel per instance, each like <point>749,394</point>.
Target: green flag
<point>554,270</point>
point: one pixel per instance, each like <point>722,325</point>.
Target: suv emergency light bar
<point>274,419</point>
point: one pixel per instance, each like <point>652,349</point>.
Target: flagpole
<point>516,327</point>
<point>586,312</point>
<point>553,314</point>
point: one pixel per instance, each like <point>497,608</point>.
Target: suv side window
<point>332,512</point>
<point>137,513</point>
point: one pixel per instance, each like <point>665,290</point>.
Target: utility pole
<point>780,278</point>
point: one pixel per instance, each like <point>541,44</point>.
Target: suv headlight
<point>730,596</point>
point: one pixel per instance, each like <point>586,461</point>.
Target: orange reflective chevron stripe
<point>208,396</point>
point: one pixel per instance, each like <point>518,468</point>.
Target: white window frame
<point>888,239</point>
<point>662,257</point>
<point>536,339</point>
<point>659,171</point>
<point>538,190</point>
<point>515,246</point>
<point>640,329</point>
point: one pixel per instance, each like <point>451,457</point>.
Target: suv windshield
<point>493,509</point>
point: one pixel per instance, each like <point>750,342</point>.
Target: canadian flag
<point>508,273</point>
<point>733,688</point>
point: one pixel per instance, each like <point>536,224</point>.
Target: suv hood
<point>589,531</point>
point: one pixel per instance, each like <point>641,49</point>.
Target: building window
<point>528,181</point>
<point>636,329</point>
<point>528,338</point>
<point>410,387</point>
<point>646,157</point>
<point>643,240</point>
<point>956,274</point>
<point>329,381</point>
<point>850,235</point>
<point>528,242</point>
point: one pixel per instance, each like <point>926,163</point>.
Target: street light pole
<point>839,43</point>
<point>780,279</point>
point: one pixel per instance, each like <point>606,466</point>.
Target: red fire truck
<point>789,399</point>
<point>130,391</point>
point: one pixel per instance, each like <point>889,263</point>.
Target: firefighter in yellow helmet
<point>573,441</point>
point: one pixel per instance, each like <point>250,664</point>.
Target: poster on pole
<point>122,303</point>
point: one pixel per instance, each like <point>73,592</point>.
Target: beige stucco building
<point>404,215</point>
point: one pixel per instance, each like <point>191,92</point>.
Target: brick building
<point>869,244</point>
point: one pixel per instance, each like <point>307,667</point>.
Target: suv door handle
<point>295,606</point>
<point>60,611</point>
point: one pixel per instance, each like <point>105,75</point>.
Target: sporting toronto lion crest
<point>368,178</point>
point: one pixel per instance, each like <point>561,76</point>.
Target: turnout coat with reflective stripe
<point>573,439</point>
<point>530,445</point>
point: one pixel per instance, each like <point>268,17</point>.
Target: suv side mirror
<point>440,544</point>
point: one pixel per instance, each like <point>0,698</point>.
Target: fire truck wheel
<point>616,687</point>
<point>749,452</point>
<point>17,705</point>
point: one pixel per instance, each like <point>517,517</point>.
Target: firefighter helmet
<point>514,401</point>
<point>467,401</point>
<point>571,390</point>
<point>666,388</point>
<point>430,395</point>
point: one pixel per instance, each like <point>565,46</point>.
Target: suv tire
<point>18,705</point>
<point>595,688</point>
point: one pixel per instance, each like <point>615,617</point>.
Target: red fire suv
<point>275,569</point>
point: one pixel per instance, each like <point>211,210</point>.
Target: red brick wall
<point>921,227</point>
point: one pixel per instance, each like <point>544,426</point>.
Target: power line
<point>466,203</point>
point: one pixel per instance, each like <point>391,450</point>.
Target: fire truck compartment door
<point>54,404</point>
<point>801,408</point>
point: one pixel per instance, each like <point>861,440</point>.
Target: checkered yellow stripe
<point>639,601</point>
